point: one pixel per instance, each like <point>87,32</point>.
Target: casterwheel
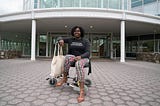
<point>53,82</point>
<point>88,82</point>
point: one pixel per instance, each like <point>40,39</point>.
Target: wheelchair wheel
<point>88,82</point>
<point>53,82</point>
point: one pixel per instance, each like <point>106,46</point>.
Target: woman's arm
<point>87,50</point>
<point>63,40</point>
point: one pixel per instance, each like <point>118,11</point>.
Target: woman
<point>79,53</point>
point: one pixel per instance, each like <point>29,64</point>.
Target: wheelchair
<point>75,83</point>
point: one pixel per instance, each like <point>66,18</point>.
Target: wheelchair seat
<point>86,65</point>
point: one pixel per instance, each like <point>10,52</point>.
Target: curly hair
<point>81,30</point>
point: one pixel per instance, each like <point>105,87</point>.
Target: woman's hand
<point>77,58</point>
<point>61,42</point>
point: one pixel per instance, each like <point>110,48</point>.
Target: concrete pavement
<point>134,83</point>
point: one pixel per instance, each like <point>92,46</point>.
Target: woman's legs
<point>80,68</point>
<point>67,63</point>
<point>81,75</point>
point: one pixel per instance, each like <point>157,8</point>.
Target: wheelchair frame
<point>75,84</point>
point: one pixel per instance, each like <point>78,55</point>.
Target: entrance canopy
<point>92,20</point>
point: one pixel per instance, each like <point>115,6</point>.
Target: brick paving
<point>134,83</point>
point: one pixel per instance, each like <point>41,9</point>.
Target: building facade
<point>115,28</point>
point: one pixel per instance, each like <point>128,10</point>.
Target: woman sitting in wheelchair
<point>78,52</point>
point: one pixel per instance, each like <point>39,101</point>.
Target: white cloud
<point>7,6</point>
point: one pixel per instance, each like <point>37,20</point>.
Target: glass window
<point>105,3</point>
<point>150,8</point>
<point>157,45</point>
<point>55,3</point>
<point>69,3</point>
<point>95,45</point>
<point>149,1</point>
<point>128,46</point>
<point>114,4</point>
<point>43,38</point>
<point>148,46</point>
<point>27,5</point>
<point>134,46</point>
<point>42,4</point>
<point>136,3</point>
<point>91,3</point>
<point>35,3</point>
<point>48,3</point>
<point>126,4</point>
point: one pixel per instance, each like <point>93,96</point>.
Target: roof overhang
<point>61,21</point>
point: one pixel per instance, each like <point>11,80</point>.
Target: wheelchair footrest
<point>76,87</point>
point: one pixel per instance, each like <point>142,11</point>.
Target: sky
<point>8,6</point>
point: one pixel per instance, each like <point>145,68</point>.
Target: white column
<point>33,40</point>
<point>47,45</point>
<point>122,58</point>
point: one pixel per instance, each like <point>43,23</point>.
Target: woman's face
<point>77,33</point>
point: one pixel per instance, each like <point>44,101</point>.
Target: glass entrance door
<point>42,45</point>
<point>99,46</point>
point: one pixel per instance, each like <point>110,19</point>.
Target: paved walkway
<point>134,83</point>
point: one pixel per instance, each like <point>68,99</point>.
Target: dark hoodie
<point>77,47</point>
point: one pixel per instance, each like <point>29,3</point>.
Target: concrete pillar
<point>33,40</point>
<point>122,58</point>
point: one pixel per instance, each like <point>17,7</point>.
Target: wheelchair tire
<point>53,82</point>
<point>88,82</point>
